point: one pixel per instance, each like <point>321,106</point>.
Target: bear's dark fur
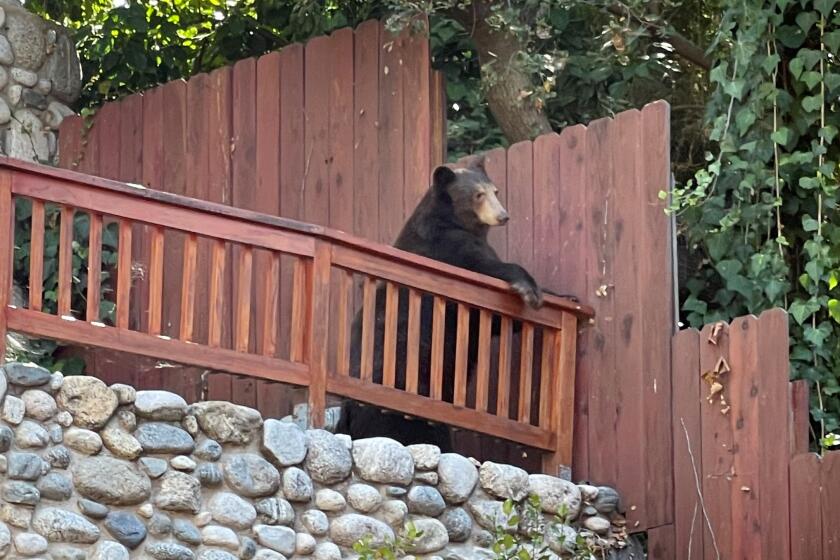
<point>450,224</point>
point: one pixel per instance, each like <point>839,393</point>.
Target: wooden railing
<point>311,270</point>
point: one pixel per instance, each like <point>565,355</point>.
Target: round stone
<point>327,551</point>
<point>153,466</point>
<point>182,463</point>
<point>169,551</point>
<point>30,544</point>
<point>160,524</point>
<point>39,405</point>
<point>393,512</point>
<point>58,525</point>
<point>284,443</point>
<point>126,528</point>
<point>304,544</point>
<point>109,550</point>
<point>588,493</point>
<point>6,438</point>
<point>126,394</point>
<point>348,529</point>
<point>208,450</point>
<point>329,500</point>
<point>88,399</point>
<point>56,433</point>
<point>383,460</point>
<point>315,521</point>
<point>83,441</point>
<point>275,511</point>
<point>127,420</point>
<point>597,524</point>
<point>216,535</point>
<point>607,501</point>
<point>55,486</point>
<point>146,511</point>
<point>209,474</point>
<point>13,410</point>
<point>489,514</point>
<point>190,424</point>
<point>56,378</point>
<point>267,554</point>
<point>363,497</point>
<point>297,486</point>
<point>458,524</point>
<point>25,374</point>
<point>59,457</point>
<point>203,519</point>
<point>111,481</point>
<point>426,456</point>
<point>561,538</point>
<point>25,32</point>
<point>19,492</point>
<point>251,475</point>
<point>231,510</point>
<point>179,492</point>
<point>31,435</point>
<point>120,443</point>
<point>556,495</point>
<point>68,553</point>
<point>433,536</point>
<point>328,461</point>
<point>215,555</point>
<point>64,419</point>
<point>457,478</point>
<point>430,478</point>
<point>92,509</point>
<point>160,405</point>
<point>277,538</point>
<point>25,466</point>
<point>186,532</point>
<point>164,439</point>
<point>227,422</point>
<point>503,481</point>
<point>425,500</point>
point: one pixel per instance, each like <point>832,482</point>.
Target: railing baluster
<point>271,289</point>
<point>94,290</point>
<point>342,353</point>
<point>389,357</point>
<point>318,329</point>
<point>217,275</point>
<point>503,393</point>
<point>243,300</point>
<point>7,223</point>
<point>438,328</point>
<point>368,310</point>
<point>526,371</point>
<point>546,376</point>
<point>462,344</point>
<point>299,307</point>
<point>155,282</point>
<point>36,257</point>
<point>188,287</point>
<point>124,274</point>
<point>563,394</point>
<point>412,349</point>
<point>482,367</point>
<point>65,261</point>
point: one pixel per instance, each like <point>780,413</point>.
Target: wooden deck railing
<point>309,268</point>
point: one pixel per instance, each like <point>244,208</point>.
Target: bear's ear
<point>442,178</point>
<point>475,162</point>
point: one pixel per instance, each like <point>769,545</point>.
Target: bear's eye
<point>479,196</point>
<point>495,191</point>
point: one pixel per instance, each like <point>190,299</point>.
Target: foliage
<point>763,211</point>
<point>390,550</point>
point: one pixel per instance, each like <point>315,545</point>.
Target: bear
<point>450,224</point>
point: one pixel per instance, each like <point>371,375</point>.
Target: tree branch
<point>682,46</point>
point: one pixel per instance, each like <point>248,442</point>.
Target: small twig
<point>699,491</point>
<point>691,533</point>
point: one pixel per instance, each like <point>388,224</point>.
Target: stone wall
<point>40,76</point>
<point>91,471</point>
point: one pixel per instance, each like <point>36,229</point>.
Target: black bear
<point>450,224</point>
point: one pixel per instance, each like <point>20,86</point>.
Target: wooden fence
<point>585,217</point>
<point>317,304</point>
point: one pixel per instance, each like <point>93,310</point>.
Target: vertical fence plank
<point>318,323</point>
<point>462,343</point>
<point>368,324</point>
<point>412,353</point>
<point>188,277</point>
<point>292,167</point>
<point>657,294</point>
<point>688,460</point>
<point>526,372</point>
<point>316,186</point>
<point>503,387</point>
<point>717,442</point>
<point>437,97</point>
<point>36,256</point>
<point>391,129</point>
<point>342,353</point>
<point>242,326</point>
<point>661,543</point>
<point>830,483</point>
<point>415,66</point>
<point>155,280</point>
<point>217,294</point>
<point>562,374</point>
<point>546,207</point>
<point>270,283</point>
<point>65,261</point>
<point>341,170</point>
<point>438,332</point>
<point>744,390</point>
<point>389,346</point>
<point>131,169</point>
<point>773,453</point>
<point>94,293</point>
<point>495,163</point>
<point>109,118</point>
<point>366,131</point>
<point>124,274</point>
<point>806,526</point>
<point>800,410</point>
<point>482,367</point>
<point>69,142</point>
<point>520,204</point>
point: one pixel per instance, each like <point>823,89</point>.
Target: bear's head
<point>471,194</point>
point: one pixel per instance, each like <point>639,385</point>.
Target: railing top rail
<point>312,230</point>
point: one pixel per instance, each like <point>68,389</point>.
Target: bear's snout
<point>503,218</point>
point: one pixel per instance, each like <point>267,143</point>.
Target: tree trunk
<point>509,86</point>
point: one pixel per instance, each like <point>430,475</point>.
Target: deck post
<point>318,328</point>
<point>6,221</point>
<point>559,462</point>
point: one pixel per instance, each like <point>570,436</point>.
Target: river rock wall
<point>110,473</point>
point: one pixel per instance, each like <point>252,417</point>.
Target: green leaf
<point>809,223</point>
<point>781,136</point>
<point>744,119</point>
<point>735,88</point>
<point>812,103</point>
<point>832,279</point>
<point>834,309</point>
<point>796,66</point>
<point>790,36</point>
<point>729,268</point>
<point>824,6</point>
<point>832,81</point>
<point>805,20</point>
<point>801,310</point>
<point>832,40</point>
<point>811,78</point>
<point>828,133</point>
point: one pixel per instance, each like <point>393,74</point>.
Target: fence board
<point>830,497</point>
<point>415,67</point>
<point>391,153</point>
<point>717,449</point>
<point>108,120</point>
<point>520,203</point>
<point>774,434</point>
<point>658,323</point>
<point>806,538</point>
<point>316,185</point>
<point>69,142</point>
<point>661,543</point>
<point>366,134</point>
<point>604,389</point>
<point>495,163</point>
